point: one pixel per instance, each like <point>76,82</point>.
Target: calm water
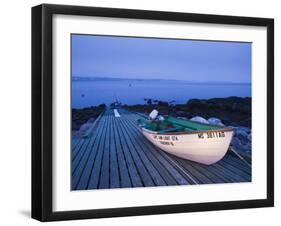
<point>91,93</point>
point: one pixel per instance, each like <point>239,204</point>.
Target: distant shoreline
<point>89,79</point>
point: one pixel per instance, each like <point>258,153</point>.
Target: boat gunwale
<point>225,129</point>
<point>200,123</point>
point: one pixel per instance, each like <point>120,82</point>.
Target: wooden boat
<point>203,143</point>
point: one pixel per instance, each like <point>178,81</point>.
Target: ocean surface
<point>92,93</point>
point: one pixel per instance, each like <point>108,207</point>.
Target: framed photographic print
<point>146,112</point>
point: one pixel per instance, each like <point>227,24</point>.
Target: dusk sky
<point>146,58</point>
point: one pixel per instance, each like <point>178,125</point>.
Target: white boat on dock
<point>199,142</point>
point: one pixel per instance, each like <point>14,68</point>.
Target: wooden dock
<point>115,154</point>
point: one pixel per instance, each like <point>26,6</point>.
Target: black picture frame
<point>42,111</point>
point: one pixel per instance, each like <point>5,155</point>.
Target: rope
<point>239,156</point>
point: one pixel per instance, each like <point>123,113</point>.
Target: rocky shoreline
<point>83,118</point>
<point>232,111</point>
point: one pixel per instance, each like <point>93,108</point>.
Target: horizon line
<point>120,78</point>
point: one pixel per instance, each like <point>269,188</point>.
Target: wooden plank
<point>217,176</point>
<point>114,167</point>
<point>125,180</point>
<point>104,176</point>
<point>93,126</point>
<point>74,142</point>
<point>156,177</point>
<point>94,148</point>
<point>245,155</point>
<point>140,165</point>
<point>79,155</point>
<point>82,156</point>
<point>96,170</point>
<point>230,173</point>
<point>201,175</point>
<point>76,149</point>
<point>205,171</point>
<point>235,161</point>
<point>133,172</point>
<point>134,176</point>
<point>166,175</point>
<point>80,177</point>
<point>220,173</point>
<point>182,170</point>
<point>244,177</point>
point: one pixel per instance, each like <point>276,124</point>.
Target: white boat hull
<point>204,147</point>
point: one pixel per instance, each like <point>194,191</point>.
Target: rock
<point>182,114</point>
<point>215,121</point>
<point>242,136</point>
<point>235,142</point>
<point>75,134</point>
<point>84,115</point>
<point>85,127</point>
<point>250,137</point>
<point>199,119</point>
<point>244,129</point>
<point>247,147</point>
<point>91,120</point>
<point>239,146</point>
<point>242,140</point>
<point>241,129</point>
<point>235,111</point>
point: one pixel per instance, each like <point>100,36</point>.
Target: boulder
<point>247,147</point>
<point>235,111</point>
<point>243,129</point>
<point>242,140</point>
<point>235,142</point>
<point>199,119</point>
<point>250,137</point>
<point>239,146</point>
<point>242,136</point>
<point>215,121</point>
<point>84,128</point>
